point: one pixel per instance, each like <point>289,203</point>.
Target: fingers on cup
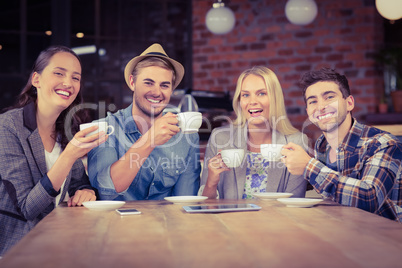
<point>232,157</point>
<point>88,130</point>
<point>97,136</point>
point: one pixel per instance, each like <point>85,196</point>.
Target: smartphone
<point>128,211</point>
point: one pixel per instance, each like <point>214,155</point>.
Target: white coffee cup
<point>272,152</point>
<point>189,122</point>
<point>232,157</point>
<point>102,126</point>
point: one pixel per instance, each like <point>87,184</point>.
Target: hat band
<point>156,53</point>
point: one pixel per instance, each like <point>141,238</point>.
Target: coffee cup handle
<point>112,129</point>
<point>179,121</point>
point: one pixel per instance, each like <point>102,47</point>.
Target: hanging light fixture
<point>220,19</point>
<point>301,12</point>
<point>389,9</point>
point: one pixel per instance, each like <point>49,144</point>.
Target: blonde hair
<point>278,119</point>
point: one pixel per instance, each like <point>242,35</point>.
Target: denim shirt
<point>171,169</point>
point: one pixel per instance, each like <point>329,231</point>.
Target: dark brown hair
<point>29,95</point>
<point>325,75</point>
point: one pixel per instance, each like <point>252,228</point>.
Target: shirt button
<point>153,184</point>
<point>177,172</point>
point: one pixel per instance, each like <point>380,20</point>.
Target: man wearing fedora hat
<point>147,157</point>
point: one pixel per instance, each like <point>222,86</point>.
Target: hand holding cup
<point>102,126</point>
<point>89,137</point>
<point>272,152</point>
<point>232,157</point>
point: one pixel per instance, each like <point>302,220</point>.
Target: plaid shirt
<point>368,172</point>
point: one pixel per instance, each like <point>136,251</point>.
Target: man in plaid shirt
<point>356,165</point>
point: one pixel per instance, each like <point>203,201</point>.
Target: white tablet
<point>221,208</point>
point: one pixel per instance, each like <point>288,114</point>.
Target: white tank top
<point>50,160</point>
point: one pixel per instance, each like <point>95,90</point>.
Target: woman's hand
<point>216,165</point>
<point>78,147</point>
<point>81,144</point>
<point>81,196</point>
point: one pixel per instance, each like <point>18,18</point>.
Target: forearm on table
<point>367,193</point>
<point>17,178</point>
<point>123,171</point>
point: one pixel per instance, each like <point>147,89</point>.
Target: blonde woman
<point>260,119</point>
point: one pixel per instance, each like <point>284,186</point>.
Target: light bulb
<point>188,104</point>
<point>301,12</point>
<point>220,19</point>
<point>389,9</point>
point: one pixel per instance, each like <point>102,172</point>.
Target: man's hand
<point>163,129</point>
<point>295,158</point>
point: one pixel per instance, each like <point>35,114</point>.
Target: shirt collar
<point>129,124</point>
<point>356,132</point>
<point>29,115</point>
<point>349,143</point>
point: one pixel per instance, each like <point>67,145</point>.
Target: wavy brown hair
<point>29,95</point>
<point>325,74</point>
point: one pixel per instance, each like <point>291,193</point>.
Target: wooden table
<point>327,235</point>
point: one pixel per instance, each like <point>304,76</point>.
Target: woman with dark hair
<point>39,166</point>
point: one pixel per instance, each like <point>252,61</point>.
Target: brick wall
<point>344,36</point>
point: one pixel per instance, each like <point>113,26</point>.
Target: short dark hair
<point>325,74</point>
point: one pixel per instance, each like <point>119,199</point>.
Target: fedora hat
<point>154,50</point>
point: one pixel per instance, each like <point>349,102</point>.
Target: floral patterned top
<point>256,175</point>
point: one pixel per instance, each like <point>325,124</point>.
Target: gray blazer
<point>231,183</point>
<point>26,193</point>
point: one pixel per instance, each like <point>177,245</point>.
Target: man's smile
<point>155,101</point>
<point>325,116</point>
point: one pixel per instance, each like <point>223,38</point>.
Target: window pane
<point>9,53</point>
<point>9,15</point>
<point>39,15</point>
<point>83,17</point>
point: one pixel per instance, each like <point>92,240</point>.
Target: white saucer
<point>300,202</point>
<point>103,205</point>
<point>185,199</point>
<point>272,195</point>
<point>189,131</point>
